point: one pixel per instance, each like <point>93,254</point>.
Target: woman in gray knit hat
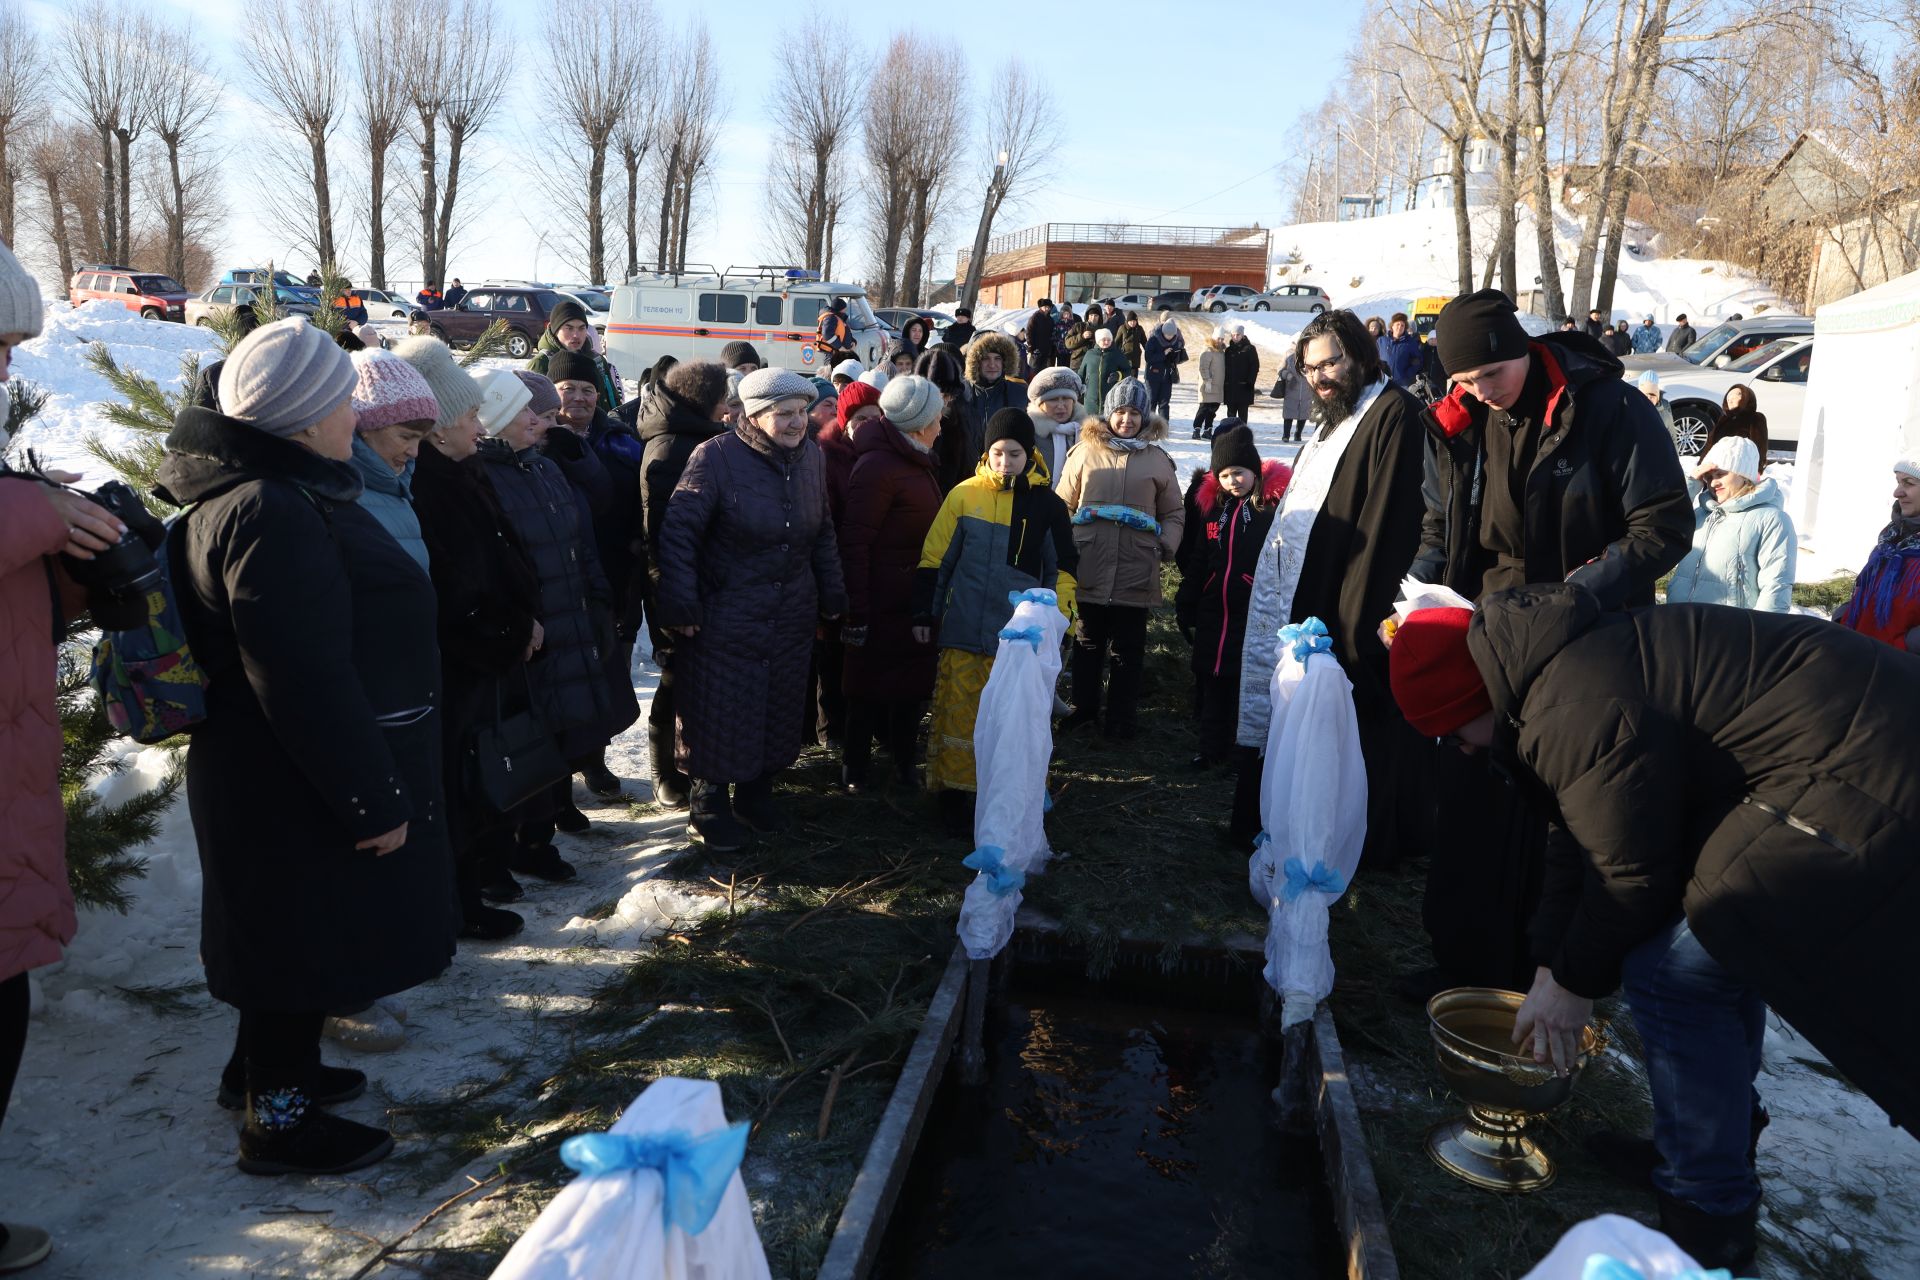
<point>315,780</point>
<point>747,565</point>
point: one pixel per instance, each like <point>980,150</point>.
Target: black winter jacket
<point>1219,551</point>
<point>1041,351</point>
<point>1606,505</point>
<point>1756,771</point>
<point>1243,372</point>
<point>670,430</point>
<point>316,633</point>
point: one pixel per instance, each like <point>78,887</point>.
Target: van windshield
<point>859,314</point>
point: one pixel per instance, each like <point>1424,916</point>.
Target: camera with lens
<point>118,579</point>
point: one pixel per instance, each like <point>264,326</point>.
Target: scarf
<point>1126,444</point>
<point>1892,573</point>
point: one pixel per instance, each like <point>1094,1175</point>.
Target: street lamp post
<point>996,191</point>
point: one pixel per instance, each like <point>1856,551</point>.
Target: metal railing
<point>1126,233</point>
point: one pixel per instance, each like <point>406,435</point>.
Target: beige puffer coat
<point>1120,564</point>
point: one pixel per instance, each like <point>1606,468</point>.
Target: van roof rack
<point>104,266</point>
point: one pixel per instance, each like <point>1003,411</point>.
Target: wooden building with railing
<point>1076,261</point>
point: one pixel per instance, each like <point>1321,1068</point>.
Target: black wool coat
<point>604,469</point>
<point>316,633</point>
<point>747,554</point>
<point>892,498</point>
<point>1605,501</point>
<point>1243,371</point>
<point>571,690</point>
<point>1040,340</point>
<point>1757,772</point>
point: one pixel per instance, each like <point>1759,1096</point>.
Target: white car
<point>384,304</point>
<point>1288,297</point>
<point>1221,297</point>
<point>1141,302</point>
<point>1777,375</point>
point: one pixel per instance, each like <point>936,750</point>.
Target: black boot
<point>571,820</point>
<point>710,819</point>
<point>286,1132</point>
<point>600,780</point>
<point>490,924</point>
<point>542,863</point>
<point>1714,1239</point>
<point>753,804</point>
<point>670,788</point>
<point>329,1087</point>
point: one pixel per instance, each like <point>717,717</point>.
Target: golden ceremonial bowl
<point>1472,1030</point>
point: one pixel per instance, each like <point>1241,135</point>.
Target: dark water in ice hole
<point>1112,1139</point>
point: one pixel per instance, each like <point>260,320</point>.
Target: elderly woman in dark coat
<point>748,564</point>
<point>891,502</point>
<point>315,780</point>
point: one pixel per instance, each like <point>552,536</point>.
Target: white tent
<point>1862,412</point>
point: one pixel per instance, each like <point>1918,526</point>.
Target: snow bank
<point>55,362</point>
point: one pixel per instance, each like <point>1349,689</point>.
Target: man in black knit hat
<point>1542,466</point>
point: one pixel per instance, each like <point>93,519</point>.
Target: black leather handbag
<point>514,758</point>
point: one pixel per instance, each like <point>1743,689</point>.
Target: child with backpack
<point>999,532</point>
<point>1230,509</point>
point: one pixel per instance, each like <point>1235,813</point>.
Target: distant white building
<point>1435,191</point>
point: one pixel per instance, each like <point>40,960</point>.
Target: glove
<point>852,635</point>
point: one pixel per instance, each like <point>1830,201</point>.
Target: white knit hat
<point>502,397</point>
<point>454,389</point>
<point>848,369</point>
<point>20,310</point>
<point>1907,467</point>
<point>875,378</point>
<point>1735,455</point>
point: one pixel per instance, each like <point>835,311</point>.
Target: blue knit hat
<point>1128,393</point>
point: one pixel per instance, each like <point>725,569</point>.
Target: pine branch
<point>333,286</point>
<point>24,401</point>
<point>99,835</point>
<point>229,326</point>
<point>491,342</point>
<point>146,409</point>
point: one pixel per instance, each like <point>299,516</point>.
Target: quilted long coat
<point>36,907</point>
<point>747,554</point>
<point>891,502</point>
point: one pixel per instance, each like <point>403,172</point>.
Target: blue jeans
<point>1703,1030</point>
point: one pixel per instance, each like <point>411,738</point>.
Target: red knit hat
<point>1438,687</point>
<point>853,396</point>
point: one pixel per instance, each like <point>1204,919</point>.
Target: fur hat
<point>1735,455</point>
<point>701,383</point>
<point>454,389</point>
<point>1128,393</point>
<point>943,370</point>
<point>1432,672</point>
<point>540,387</point>
<point>1056,381</point>
<point>1011,424</point>
<point>285,376</point>
<point>763,389</point>
<point>388,391</point>
<point>1234,448</point>
<point>911,403</point>
<point>502,397</point>
<point>20,309</point>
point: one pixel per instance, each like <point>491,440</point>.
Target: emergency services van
<point>777,309</point>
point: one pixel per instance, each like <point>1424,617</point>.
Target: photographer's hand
<point>90,527</point>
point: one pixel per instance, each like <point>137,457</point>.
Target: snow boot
<point>670,788</point>
<point>571,820</point>
<point>370,1030</point>
<point>753,804</point>
<point>710,820</point>
<point>286,1132</point>
<point>22,1246</point>
<point>543,863</point>
<point>1714,1239</point>
<point>490,924</point>
<point>600,780</point>
<point>329,1087</point>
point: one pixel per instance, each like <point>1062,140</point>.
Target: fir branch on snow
<point>99,834</point>
<point>333,287</point>
<point>228,326</point>
<point>145,408</point>
<point>491,342</point>
<point>24,400</point>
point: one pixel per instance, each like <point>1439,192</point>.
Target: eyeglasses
<point>1325,366</point>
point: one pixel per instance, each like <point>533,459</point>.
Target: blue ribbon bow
<point>1032,635</point>
<point>1262,839</point>
<point>990,861</point>
<point>1601,1266</point>
<point>694,1171</point>
<point>1306,638</point>
<point>1299,879</point>
<point>1132,517</point>
<point>1033,595</point>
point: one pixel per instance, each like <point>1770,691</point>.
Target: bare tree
<point>1016,149</point>
<point>595,57</point>
<point>941,75</point>
<point>183,103</point>
<point>293,49</point>
<point>814,107</point>
<point>633,138</point>
<point>458,62</point>
<point>21,86</point>
<point>889,131</point>
<point>484,59</point>
<point>52,155</point>
<point>688,129</point>
<point>99,56</point>
<point>377,43</point>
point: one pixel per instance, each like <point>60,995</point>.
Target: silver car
<point>226,297</point>
<point>1310,298</point>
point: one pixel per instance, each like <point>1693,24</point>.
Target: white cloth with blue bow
<point>1012,744</point>
<point>1611,1247</point>
<point>1313,815</point>
<point>659,1197</point>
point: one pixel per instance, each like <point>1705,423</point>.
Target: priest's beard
<point>1331,408</point>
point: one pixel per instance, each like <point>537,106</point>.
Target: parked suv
<point>201,310</point>
<point>1221,297</point>
<point>147,293</point>
<point>1776,374</point>
<point>283,279</point>
<point>1724,344</point>
<point>524,308</point>
<point>1289,297</point>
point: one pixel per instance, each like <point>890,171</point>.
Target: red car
<point>147,293</point>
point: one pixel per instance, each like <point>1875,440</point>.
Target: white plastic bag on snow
<point>672,1161</point>
<point>1012,743</point>
<point>1313,815</point>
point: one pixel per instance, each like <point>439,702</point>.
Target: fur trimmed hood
<point>1095,430</point>
<point>1275,476</point>
<point>987,340</point>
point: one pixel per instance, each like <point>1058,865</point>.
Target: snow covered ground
<point>114,1143</point>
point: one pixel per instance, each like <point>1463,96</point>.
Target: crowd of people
<point>415,592</point>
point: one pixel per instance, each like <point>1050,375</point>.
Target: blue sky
<point>1171,112</point>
